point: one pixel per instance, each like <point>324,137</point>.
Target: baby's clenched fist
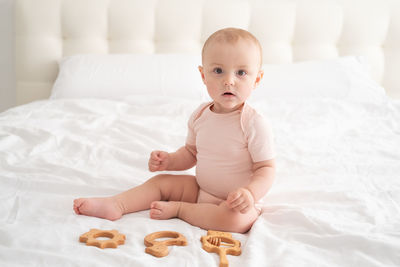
<point>158,161</point>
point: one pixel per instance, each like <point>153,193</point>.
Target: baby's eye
<point>217,70</point>
<point>241,72</point>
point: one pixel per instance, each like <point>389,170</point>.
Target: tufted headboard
<point>289,31</point>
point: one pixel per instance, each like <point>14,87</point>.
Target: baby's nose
<point>229,80</point>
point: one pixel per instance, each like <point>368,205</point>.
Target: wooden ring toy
<point>89,238</point>
<point>160,248</point>
<point>221,243</point>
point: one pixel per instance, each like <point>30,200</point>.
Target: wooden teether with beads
<point>90,238</point>
<point>160,248</point>
<point>221,243</point>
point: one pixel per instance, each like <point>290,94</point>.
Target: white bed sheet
<point>335,202</point>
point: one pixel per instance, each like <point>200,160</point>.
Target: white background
<point>7,62</point>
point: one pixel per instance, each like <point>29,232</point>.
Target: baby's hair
<point>231,36</point>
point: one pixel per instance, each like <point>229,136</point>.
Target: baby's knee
<point>172,178</point>
<point>162,180</point>
<point>239,222</point>
<point>176,187</point>
<point>159,178</point>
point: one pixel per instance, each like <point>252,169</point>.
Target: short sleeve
<point>191,136</point>
<point>260,139</point>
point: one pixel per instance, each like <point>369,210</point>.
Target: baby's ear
<point>260,75</point>
<point>202,73</point>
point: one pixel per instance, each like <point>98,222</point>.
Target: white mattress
<point>335,202</point>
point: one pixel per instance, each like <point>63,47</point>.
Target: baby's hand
<point>241,200</point>
<point>158,161</point>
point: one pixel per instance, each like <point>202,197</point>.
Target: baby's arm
<point>243,198</point>
<point>183,159</point>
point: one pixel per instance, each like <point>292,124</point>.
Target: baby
<point>227,140</point>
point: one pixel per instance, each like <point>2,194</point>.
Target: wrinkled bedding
<point>335,202</point>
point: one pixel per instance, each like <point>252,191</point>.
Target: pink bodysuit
<point>227,146</point>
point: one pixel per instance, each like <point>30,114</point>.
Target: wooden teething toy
<point>221,243</point>
<point>90,238</point>
<point>159,248</point>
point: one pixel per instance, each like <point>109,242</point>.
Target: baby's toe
<point>77,204</point>
<point>155,214</point>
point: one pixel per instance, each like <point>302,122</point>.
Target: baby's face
<point>230,73</point>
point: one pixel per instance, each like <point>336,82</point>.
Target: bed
<point>100,84</point>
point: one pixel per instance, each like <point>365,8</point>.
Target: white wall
<point>7,63</point>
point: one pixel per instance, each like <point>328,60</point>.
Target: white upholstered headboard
<point>289,30</point>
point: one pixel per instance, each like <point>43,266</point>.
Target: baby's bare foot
<point>106,208</point>
<point>163,210</point>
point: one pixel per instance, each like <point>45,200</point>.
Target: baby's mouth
<point>228,94</point>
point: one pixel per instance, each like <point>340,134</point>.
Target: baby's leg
<point>206,215</point>
<point>164,187</point>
